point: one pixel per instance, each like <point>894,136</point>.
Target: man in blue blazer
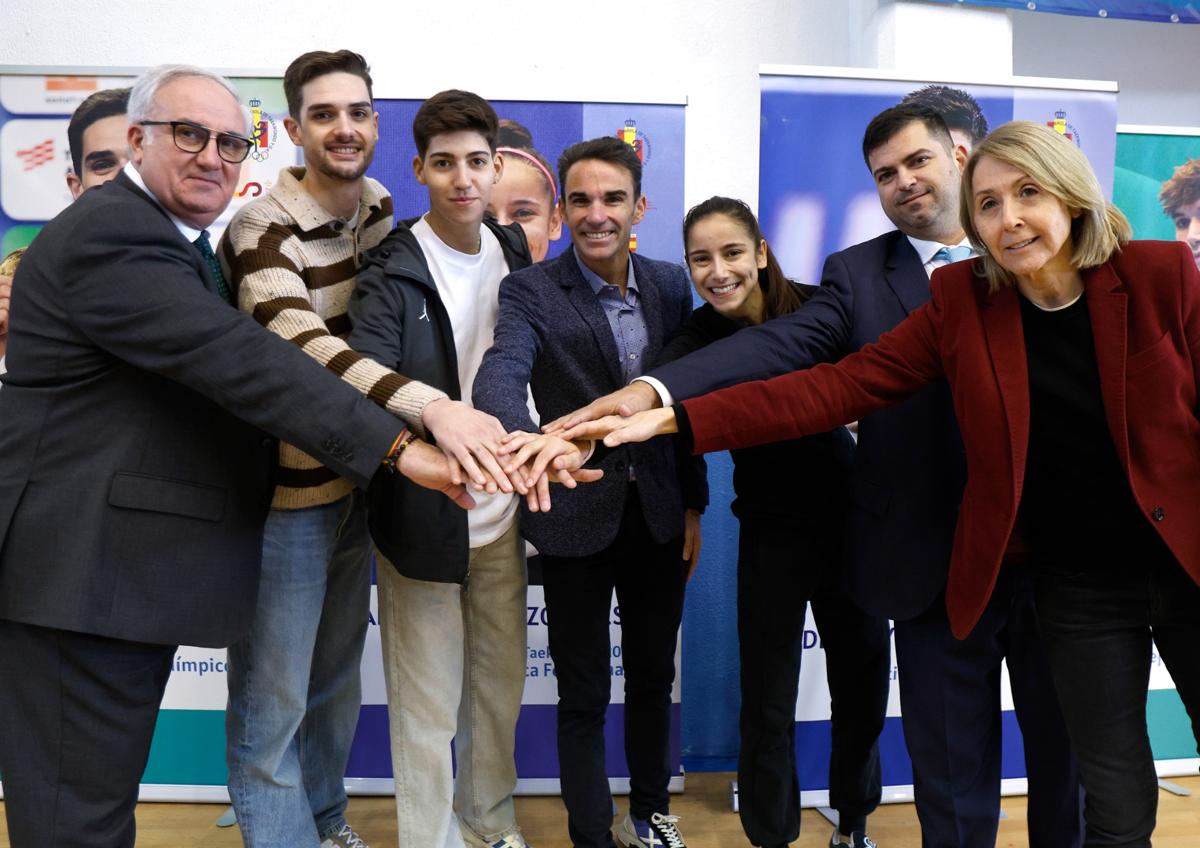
<point>571,328</point>
<point>906,485</point>
<point>135,473</point>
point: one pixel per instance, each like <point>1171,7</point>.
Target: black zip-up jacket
<point>399,320</point>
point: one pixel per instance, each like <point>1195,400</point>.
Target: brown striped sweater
<point>293,266</point>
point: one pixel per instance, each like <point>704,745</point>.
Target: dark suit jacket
<point>552,334</point>
<point>908,473</point>
<point>1144,306</point>
<point>134,478</point>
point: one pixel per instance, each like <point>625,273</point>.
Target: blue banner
<point>1162,11</point>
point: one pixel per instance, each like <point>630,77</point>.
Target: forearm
<point>278,300</point>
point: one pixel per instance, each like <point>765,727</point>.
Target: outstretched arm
<point>798,404</point>
<point>817,332</point>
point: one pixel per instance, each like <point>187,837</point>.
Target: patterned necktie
<point>953,254</point>
<point>210,259</point>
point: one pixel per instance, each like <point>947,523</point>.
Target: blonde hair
<point>1098,229</point>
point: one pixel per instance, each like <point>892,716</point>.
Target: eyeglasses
<point>192,138</point>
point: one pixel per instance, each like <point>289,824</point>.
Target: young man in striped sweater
<point>294,691</point>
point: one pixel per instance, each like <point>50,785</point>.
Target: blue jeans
<point>294,690</point>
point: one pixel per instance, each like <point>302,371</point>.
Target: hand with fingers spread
<point>636,397</point>
<point>470,439</point>
<point>541,459</point>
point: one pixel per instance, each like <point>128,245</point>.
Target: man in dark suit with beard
<point>134,478</point>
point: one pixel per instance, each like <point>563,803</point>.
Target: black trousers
<point>649,580</point>
<point>78,716</point>
<point>950,698</point>
<point>780,570</point>
<point>1097,627</point>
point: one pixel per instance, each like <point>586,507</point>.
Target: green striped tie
<point>210,259</point>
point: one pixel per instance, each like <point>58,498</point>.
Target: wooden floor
<point>705,819</point>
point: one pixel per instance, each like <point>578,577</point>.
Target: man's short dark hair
<point>306,68</point>
<point>891,121</point>
<point>958,109</point>
<point>102,104</point>
<point>451,111</point>
<point>606,148</point>
<point>1182,189</point>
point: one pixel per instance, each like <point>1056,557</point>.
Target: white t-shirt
<point>469,286</point>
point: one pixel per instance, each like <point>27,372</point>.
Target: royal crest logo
<point>1060,126</point>
<point>262,131</point>
<point>636,139</point>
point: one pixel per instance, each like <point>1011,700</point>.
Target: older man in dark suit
<point>134,478</point>
<point>906,485</point>
<point>571,328</point>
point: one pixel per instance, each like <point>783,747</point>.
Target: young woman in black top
<point>791,503</point>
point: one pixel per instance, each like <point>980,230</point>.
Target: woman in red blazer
<point>1072,355</point>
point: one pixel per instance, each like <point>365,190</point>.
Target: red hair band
<point>526,155</point>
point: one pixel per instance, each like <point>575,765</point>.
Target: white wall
<point>1155,64</point>
<point>707,51</point>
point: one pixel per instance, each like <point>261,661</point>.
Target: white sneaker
<point>344,838</point>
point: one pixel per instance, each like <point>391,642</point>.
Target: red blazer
<point>1145,311</point>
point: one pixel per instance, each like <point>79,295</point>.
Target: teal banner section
<point>188,748</point>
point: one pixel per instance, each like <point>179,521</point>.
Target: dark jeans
<point>1097,627</point>
<point>78,716</point>
<point>950,696</point>
<point>649,579</point>
<point>781,569</point>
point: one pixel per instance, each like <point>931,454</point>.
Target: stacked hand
<point>636,397</point>
<point>477,452</point>
<point>617,430</point>
<point>540,459</point>
<point>470,439</point>
<point>427,466</point>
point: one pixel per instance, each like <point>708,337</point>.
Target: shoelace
<point>352,839</point>
<point>670,833</point>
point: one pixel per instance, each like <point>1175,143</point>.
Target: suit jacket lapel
<point>651,302</point>
<point>1006,347</point>
<point>583,299</point>
<point>1107,307</point>
<point>906,275</point>
<point>197,260</point>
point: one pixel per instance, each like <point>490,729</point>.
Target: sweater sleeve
<point>266,272</point>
